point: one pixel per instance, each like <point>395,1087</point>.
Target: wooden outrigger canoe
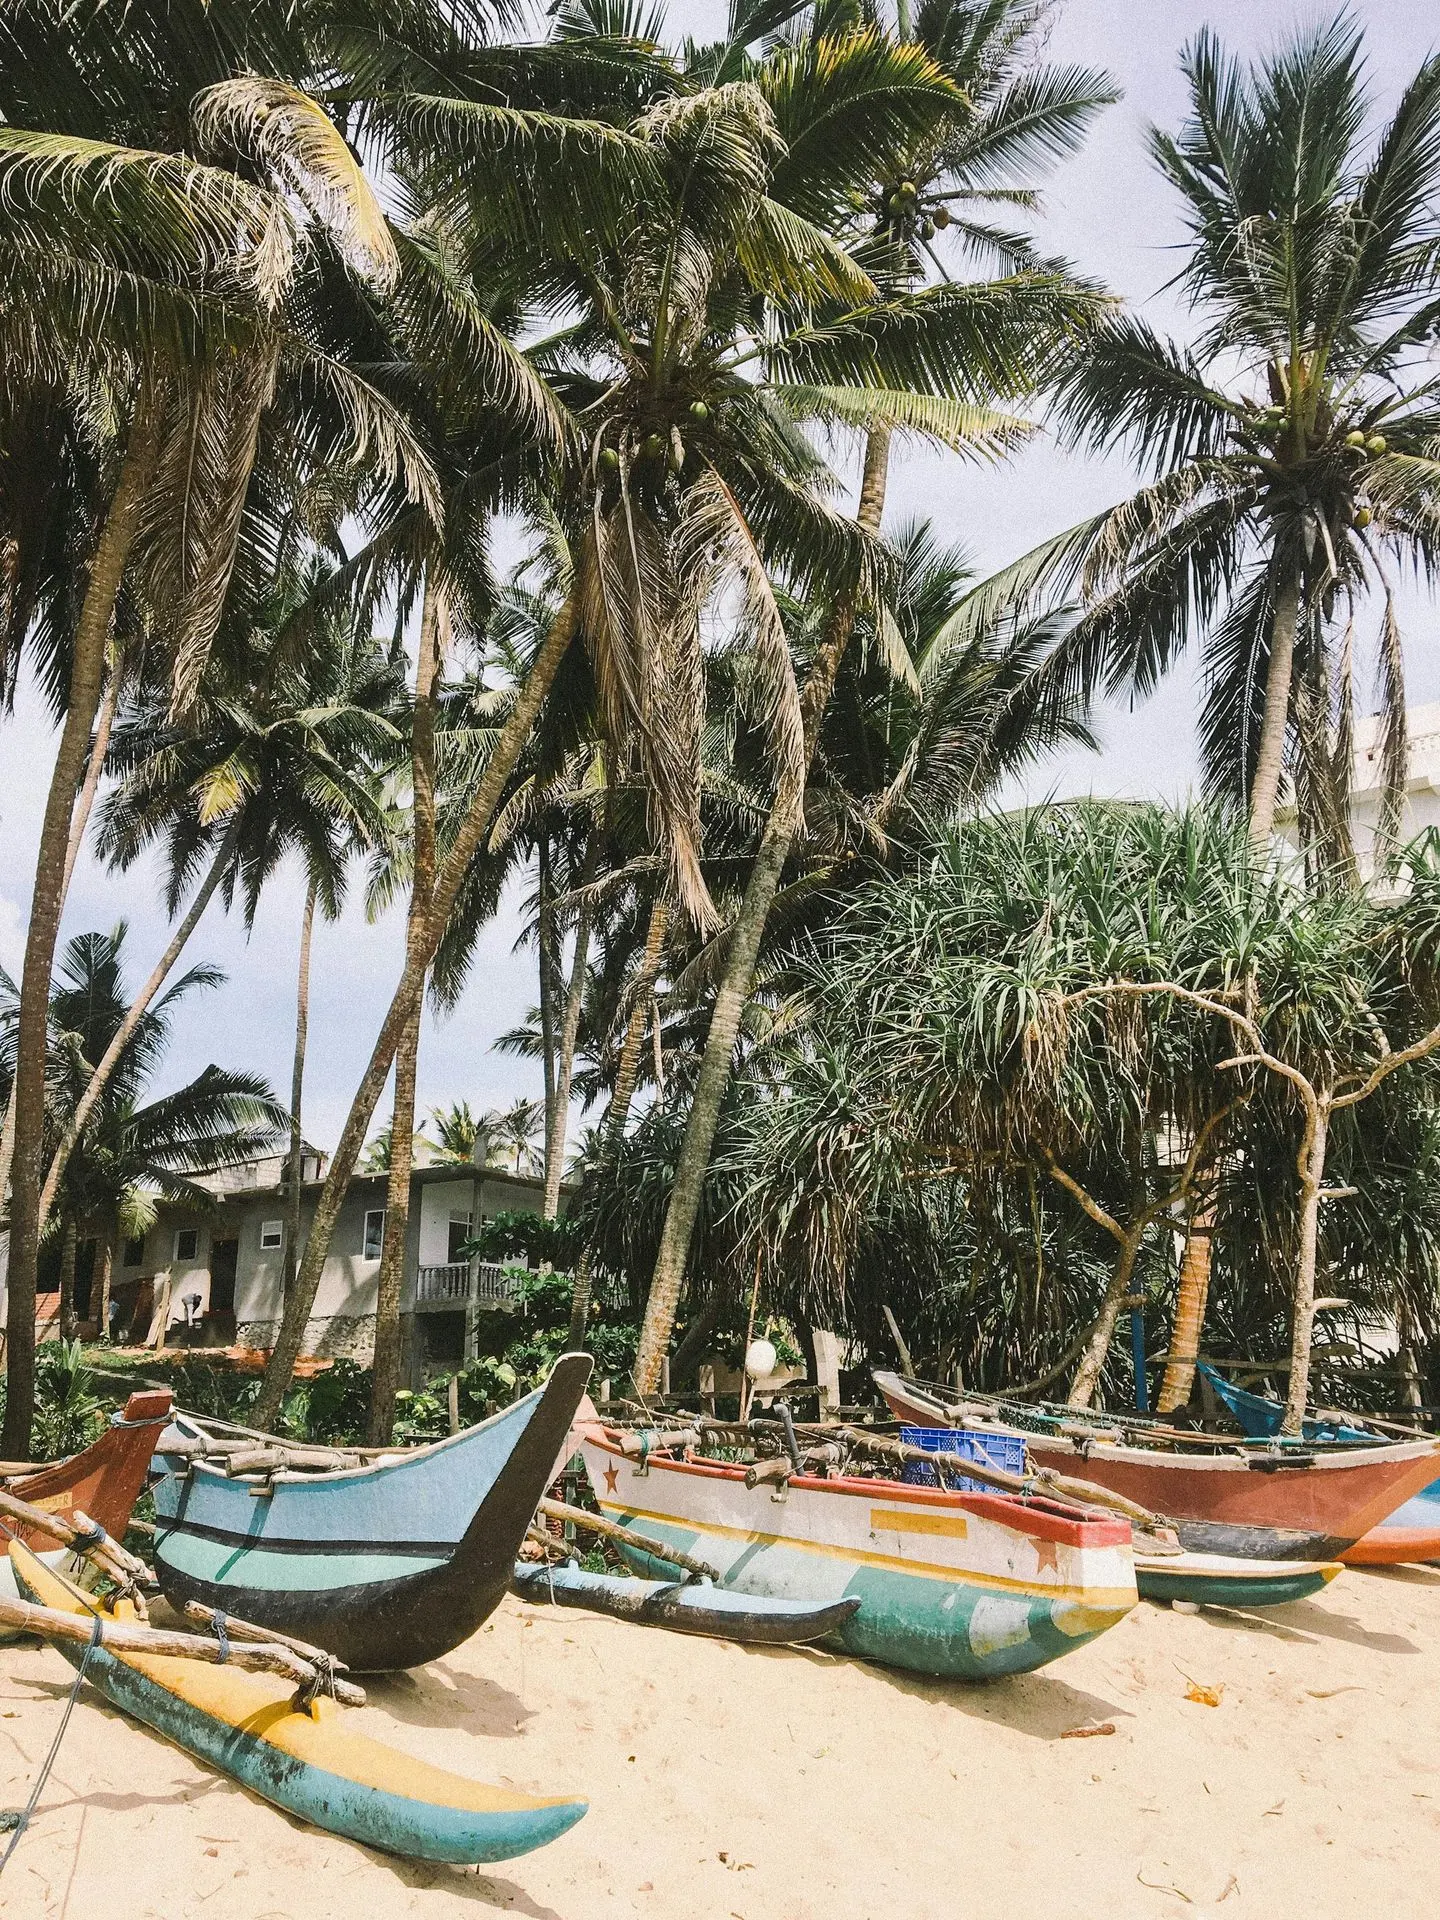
<point>968,1585</point>
<point>1410,1533</point>
<point>103,1481</point>
<point>1243,1500</point>
<point>702,1607</point>
<point>305,1760</point>
<point>384,1566</point>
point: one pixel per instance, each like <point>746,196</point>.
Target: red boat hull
<point>105,1480</point>
<point>1238,1503</point>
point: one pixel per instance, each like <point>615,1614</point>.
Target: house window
<point>272,1235</point>
<point>187,1242</point>
<point>134,1254</point>
<point>460,1236</point>
<point>374,1233</point>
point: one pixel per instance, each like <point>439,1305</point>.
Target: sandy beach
<point>736,1784</point>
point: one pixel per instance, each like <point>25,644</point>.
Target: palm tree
<point>1008,115</point>
<point>1293,442</point>
<point>516,1129</point>
<point>133,1152</point>
<point>468,1139</point>
<point>687,481</point>
<point>278,756</point>
<point>159,289</point>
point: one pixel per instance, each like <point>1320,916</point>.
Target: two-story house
<point>216,1276</point>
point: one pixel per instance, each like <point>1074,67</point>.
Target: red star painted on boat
<point>1047,1555</point>
<point>612,1479</point>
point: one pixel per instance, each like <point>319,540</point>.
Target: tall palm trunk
<point>1270,759</point>
<point>105,1254</point>
<point>557,1111</point>
<point>69,1244</point>
<point>1092,1360</point>
<point>501,764</point>
<point>385,1372</point>
<point>626,1077</point>
<point>545,948</point>
<point>95,768</point>
<point>125,1032</point>
<point>92,631</point>
<point>99,747</point>
<point>1190,1300</point>
<point>738,979</point>
<point>295,1160</point>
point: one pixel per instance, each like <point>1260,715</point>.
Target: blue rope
<point>16,1823</point>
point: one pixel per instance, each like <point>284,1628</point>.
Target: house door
<point>224,1255</point>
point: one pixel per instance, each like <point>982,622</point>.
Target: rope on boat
<point>16,1823</point>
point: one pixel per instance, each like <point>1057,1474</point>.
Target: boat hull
<point>1411,1534</point>
<point>308,1762</point>
<point>966,1586</point>
<point>104,1480</point>
<point>386,1566</point>
<point>1243,1504</point>
<point>704,1609</point>
<point>1213,1581</point>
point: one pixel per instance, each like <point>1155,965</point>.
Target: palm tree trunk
<point>385,1368</point>
<point>513,736</point>
<point>125,1032</point>
<point>1269,761</point>
<point>69,1241</point>
<point>738,980</point>
<point>295,1161</point>
<point>557,1112</point>
<point>98,748</point>
<point>1190,1299</point>
<point>545,947</point>
<point>626,1078</point>
<point>107,1268</point>
<point>92,631</point>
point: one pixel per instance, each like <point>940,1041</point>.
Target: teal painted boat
<point>959,1584</point>
<point>384,1566</point>
<point>306,1760</point>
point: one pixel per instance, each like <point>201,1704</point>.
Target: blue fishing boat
<point>303,1758</point>
<point>384,1566</point>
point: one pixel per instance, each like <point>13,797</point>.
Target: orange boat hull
<point>105,1480</point>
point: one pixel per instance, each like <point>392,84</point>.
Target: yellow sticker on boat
<point>918,1520</point>
<point>55,1502</point>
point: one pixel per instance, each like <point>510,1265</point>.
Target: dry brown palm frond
<point>293,136</point>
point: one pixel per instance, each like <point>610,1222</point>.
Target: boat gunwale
<point>406,1457</point>
<point>1344,1458</point>
<point>1055,1521</point>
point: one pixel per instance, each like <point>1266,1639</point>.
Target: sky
<point>1114,218</point>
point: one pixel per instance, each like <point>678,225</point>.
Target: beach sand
<point>739,1784</point>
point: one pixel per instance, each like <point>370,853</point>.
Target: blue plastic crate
<point>1003,1450</point>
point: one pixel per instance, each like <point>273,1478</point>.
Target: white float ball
<point>761,1359</point>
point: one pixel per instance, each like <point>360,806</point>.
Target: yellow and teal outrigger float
<point>959,1584</point>
<point>304,1759</point>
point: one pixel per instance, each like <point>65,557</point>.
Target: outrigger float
<point>300,1755</point>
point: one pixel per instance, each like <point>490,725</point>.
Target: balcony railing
<point>466,1283</point>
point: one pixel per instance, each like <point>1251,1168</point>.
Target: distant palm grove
<point>313,317</point>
